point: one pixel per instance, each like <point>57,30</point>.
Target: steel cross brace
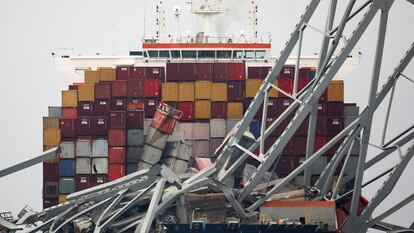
<point>305,108</point>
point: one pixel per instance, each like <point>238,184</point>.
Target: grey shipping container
<point>178,150</point>
<point>68,150</point>
<point>230,125</point>
<point>319,165</point>
<point>147,125</point>
<point>131,168</point>
<point>83,148</point>
<point>133,154</point>
<point>178,166</point>
<point>351,110</point>
<point>217,128</point>
<point>150,156</point>
<point>186,129</point>
<point>55,112</point>
<point>156,138</point>
<point>176,137</point>
<point>214,144</point>
<point>135,137</point>
<point>99,166</point>
<point>201,131</point>
<point>201,148</point>
<point>66,185</point>
<point>100,148</point>
<point>83,166</point>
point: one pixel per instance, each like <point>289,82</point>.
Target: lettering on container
<point>101,121</point>
<point>83,180</point>
<point>335,121</point>
<point>119,103</point>
<point>84,122</point>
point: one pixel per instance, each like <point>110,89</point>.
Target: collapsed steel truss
<point>115,205</point>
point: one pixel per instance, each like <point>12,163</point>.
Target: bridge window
<point>206,54</point>
<point>260,54</point>
<point>189,54</point>
<point>223,54</point>
<point>165,54</point>
<point>175,54</point>
<point>153,54</point>
<point>250,54</point>
<point>238,54</point>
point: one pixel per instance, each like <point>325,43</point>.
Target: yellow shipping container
<point>186,92</point>
<point>203,109</point>
<point>336,91</point>
<point>107,74</point>
<point>53,160</point>
<point>51,137</point>
<point>203,90</point>
<point>50,122</point>
<point>169,92</point>
<point>274,92</point>
<point>252,86</point>
<point>234,110</point>
<point>219,92</point>
<point>86,92</point>
<point>70,99</point>
<point>62,199</point>
<point>91,76</point>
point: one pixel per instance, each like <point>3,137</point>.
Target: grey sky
<point>30,30</point>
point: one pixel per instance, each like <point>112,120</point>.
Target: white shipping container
<point>230,125</point>
<point>156,138</point>
<point>201,131</point>
<point>147,125</point>
<point>201,148</point>
<point>186,129</point>
<point>217,128</point>
<point>100,148</point>
<point>83,148</point>
<point>99,166</point>
<point>135,137</point>
<point>68,150</point>
<point>83,166</point>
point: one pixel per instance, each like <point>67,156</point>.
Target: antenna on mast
<point>160,35</point>
<point>177,13</point>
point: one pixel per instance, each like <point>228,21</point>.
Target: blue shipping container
<point>255,127</point>
<point>67,167</point>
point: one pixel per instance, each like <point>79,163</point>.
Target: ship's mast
<point>161,33</point>
<point>207,10</point>
<point>253,22</point>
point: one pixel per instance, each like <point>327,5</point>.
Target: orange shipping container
<point>336,91</point>
<point>50,122</point>
<point>86,92</point>
<point>274,92</point>
<point>70,99</point>
<point>169,92</point>
<point>203,90</point>
<point>186,92</point>
<point>107,74</point>
<point>203,109</point>
<point>234,110</point>
<point>252,86</point>
<point>219,92</point>
<point>51,137</point>
<point>91,76</point>
<point>62,199</point>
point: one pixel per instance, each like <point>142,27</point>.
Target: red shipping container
<point>286,85</point>
<point>335,109</point>
<point>219,110</point>
<point>303,128</point>
<point>123,73</point>
<point>322,109</point>
<point>49,202</point>
<point>67,128</point>
<point>155,73</point>
<point>173,72</point>
<point>259,113</point>
<point>115,171</point>
<point>103,90</point>
<point>254,73</point>
<point>304,73</point>
<point>324,97</point>
<point>69,113</point>
<point>50,172</point>
<point>150,107</point>
<point>100,126</point>
<point>302,83</point>
<point>221,72</point>
<point>152,88</point>
<point>283,104</point>
<point>135,87</point>
<point>117,120</point>
<point>287,72</point>
<point>334,125</point>
<point>331,151</point>
<point>173,104</point>
<point>272,108</point>
<point>288,164</point>
<point>116,155</point>
<point>319,143</point>
<point>188,109</point>
<point>116,137</point>
<point>102,107</point>
<point>82,182</point>
<point>73,87</point>
<point>163,122</point>
<point>118,104</point>
<point>237,71</point>
<point>98,180</point>
<point>119,88</point>
<point>321,126</point>
<point>205,71</point>
<point>188,71</point>
<point>235,91</point>
<point>85,109</point>
<point>297,146</point>
<point>135,119</point>
<point>84,127</point>
<point>137,73</point>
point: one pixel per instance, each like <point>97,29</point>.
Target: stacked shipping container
<point>100,126</point>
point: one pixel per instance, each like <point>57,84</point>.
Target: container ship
<point>172,104</point>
